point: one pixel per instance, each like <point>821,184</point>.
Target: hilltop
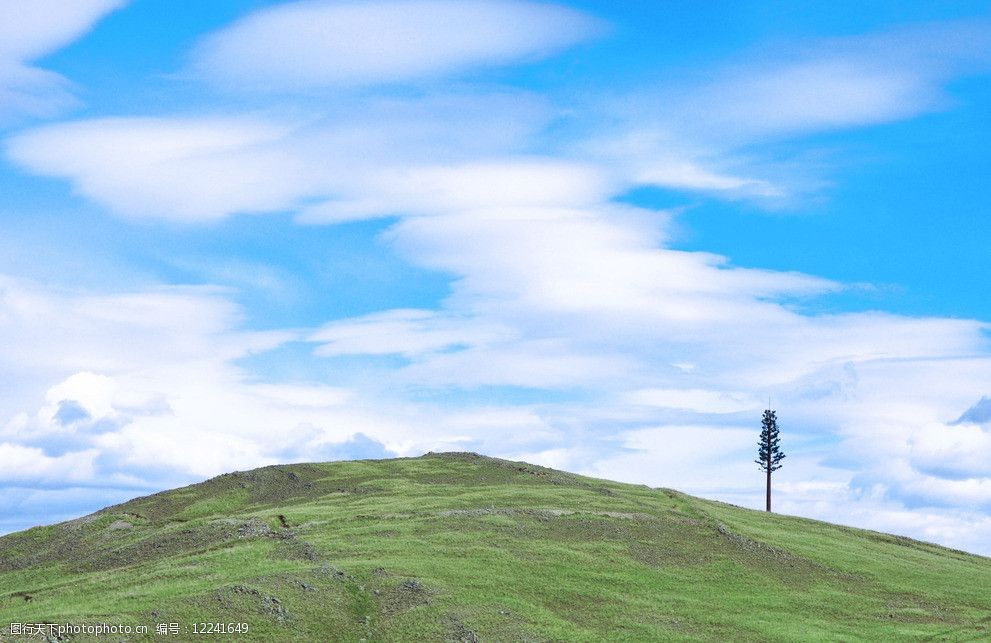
<point>462,547</point>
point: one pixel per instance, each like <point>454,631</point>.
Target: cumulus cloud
<point>894,438</point>
<point>954,453</point>
<point>109,361</point>
<point>32,465</point>
<point>132,379</point>
<point>70,412</point>
<point>309,444</point>
<point>28,31</point>
<point>301,45</point>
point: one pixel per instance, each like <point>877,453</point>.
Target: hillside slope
<point>463,547</point>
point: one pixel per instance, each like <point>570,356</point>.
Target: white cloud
<point>698,400</point>
<point>537,363</point>
<point>653,152</point>
<point>968,530</point>
<point>303,395</point>
<point>962,451</point>
<point>979,413</point>
<point>185,169</point>
<point>691,175</point>
<point>166,380</point>
<point>93,393</point>
<point>816,94</point>
<point>48,335</point>
<point>840,82</point>
<point>163,381</point>
<point>500,186</point>
<point>79,331</point>
<point>583,259</point>
<point>28,31</point>
<point>146,374</point>
<point>376,158</point>
<point>404,332</point>
<point>682,457</point>
<point>29,465</point>
<point>300,45</point>
<point>700,133</point>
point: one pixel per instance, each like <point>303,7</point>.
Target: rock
<point>330,570</point>
<point>274,607</point>
<point>119,524</point>
<point>254,528</point>
<point>463,634</point>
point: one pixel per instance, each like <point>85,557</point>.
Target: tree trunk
<point>769,488</point>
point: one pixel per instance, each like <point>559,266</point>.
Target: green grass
<point>459,547</point>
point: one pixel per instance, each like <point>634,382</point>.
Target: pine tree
<point>769,454</point>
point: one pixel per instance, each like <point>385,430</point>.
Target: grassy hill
<point>461,547</point>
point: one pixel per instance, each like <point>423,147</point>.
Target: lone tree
<point>769,454</point>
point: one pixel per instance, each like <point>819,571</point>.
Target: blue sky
<point>596,236</point>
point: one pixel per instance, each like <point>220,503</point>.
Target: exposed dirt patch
<point>458,632</point>
<point>254,528</point>
<point>404,596</point>
<point>292,547</point>
<point>329,570</point>
<point>243,598</point>
<point>118,525</point>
